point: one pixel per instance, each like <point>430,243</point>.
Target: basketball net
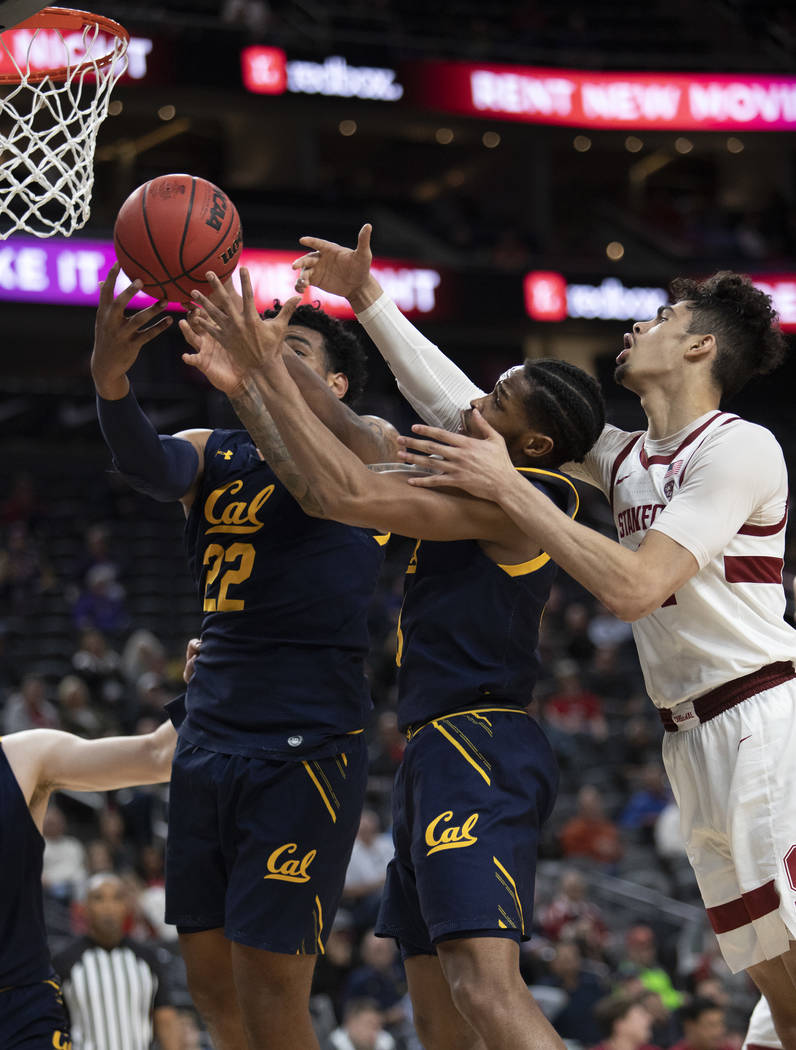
<point>57,71</point>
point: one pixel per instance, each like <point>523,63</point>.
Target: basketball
<point>172,230</point>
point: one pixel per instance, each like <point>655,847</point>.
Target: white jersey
<point>719,488</point>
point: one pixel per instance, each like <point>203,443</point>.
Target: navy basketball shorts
<point>469,801</point>
<point>32,1017</point>
<point>260,848</point>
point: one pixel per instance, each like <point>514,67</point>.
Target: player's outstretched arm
<point>47,760</point>
<point>327,478</point>
<point>370,438</point>
<point>631,584</point>
<point>160,466</point>
<point>433,385</point>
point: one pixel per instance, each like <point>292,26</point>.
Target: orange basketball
<point>172,230</point>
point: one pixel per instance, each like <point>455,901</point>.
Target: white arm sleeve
<point>433,385</point>
<point>738,476</point>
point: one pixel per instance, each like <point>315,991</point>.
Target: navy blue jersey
<point>469,627</point>
<point>24,958</point>
<point>285,599</point>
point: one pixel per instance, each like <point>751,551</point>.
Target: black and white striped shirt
<point>111,995</point>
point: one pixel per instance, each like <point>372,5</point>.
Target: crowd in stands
<point>620,957</point>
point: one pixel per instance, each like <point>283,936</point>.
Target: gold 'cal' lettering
<point>61,1041</point>
<point>289,870</point>
<point>450,838</point>
<point>218,209</point>
<point>235,516</point>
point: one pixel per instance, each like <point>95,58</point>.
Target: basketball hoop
<point>57,71</point>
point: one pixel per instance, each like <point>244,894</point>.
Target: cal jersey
<point>285,600</point>
<point>719,488</point>
<point>24,958</point>
<point>469,627</point>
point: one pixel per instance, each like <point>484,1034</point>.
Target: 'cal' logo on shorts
<point>61,1041</point>
<point>289,870</point>
<point>450,838</point>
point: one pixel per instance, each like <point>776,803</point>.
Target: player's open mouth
<point>624,352</point>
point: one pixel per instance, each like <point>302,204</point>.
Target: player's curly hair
<point>344,352</point>
<point>567,402</point>
<point>743,321</point>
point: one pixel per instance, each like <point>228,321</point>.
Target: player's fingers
<point>444,437</point>
<point>191,337</point>
<point>480,427</point>
<point>193,360</point>
<point>209,308</point>
<point>247,295</point>
<point>288,309</point>
<point>305,261</point>
<point>316,243</point>
<point>363,238</point>
<point>431,481</point>
<point>107,286</point>
<point>142,317</point>
<point>124,297</point>
<point>154,330</point>
<point>422,460</point>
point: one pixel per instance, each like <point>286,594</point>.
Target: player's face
<point>505,409</point>
<point>654,348</point>
<point>308,344</point>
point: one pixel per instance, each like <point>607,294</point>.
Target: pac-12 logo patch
<point>289,869</point>
<point>453,837</point>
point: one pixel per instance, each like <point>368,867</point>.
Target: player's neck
<point>668,412</point>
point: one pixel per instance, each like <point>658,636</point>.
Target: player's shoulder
<point>224,443</point>
<point>744,436</point>
<point>555,485</point>
<point>145,952</point>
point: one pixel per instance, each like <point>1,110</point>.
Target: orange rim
<point>64,18</point>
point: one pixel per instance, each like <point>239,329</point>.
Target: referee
<point>115,988</point>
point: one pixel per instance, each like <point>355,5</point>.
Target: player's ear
<point>701,346</point>
<point>537,445</point>
<point>338,381</point>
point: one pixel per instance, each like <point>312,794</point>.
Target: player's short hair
<point>354,1007</point>
<point>344,352</point>
<point>568,403</point>
<point>743,321</point>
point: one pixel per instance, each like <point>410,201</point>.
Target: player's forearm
<point>253,412</point>
<point>367,442</point>
<point>329,476</point>
<point>615,575</point>
<point>435,387</point>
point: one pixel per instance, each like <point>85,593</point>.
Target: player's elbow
<point>634,601</point>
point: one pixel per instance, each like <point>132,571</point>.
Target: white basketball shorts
<point>734,780</point>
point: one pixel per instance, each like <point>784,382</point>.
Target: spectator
<point>570,914</point>
<point>334,965</point>
<point>625,1022</point>
<point>608,677</point>
<point>97,552</point>
<point>578,646</point>
<point>572,708</point>
<point>647,803</point>
<point>29,708</point>
<point>589,833</point>
<point>367,870</point>
<point>77,714</point>
<point>641,960</point>
<point>24,573</point>
<point>101,604</point>
<point>21,504</point>
<point>575,1020</point>
<point>380,978</point>
<point>64,866</point>
<point>361,1029</point>
<point>100,667</point>
<point>115,988</point>
<point>703,1026</point>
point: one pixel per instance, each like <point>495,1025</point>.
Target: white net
<point>55,86</point>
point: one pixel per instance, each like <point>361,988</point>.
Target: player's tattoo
<point>250,408</point>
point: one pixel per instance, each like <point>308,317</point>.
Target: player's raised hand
<point>480,464</point>
<point>211,358</point>
<point>118,337</point>
<point>333,268</point>
<point>233,321</point>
